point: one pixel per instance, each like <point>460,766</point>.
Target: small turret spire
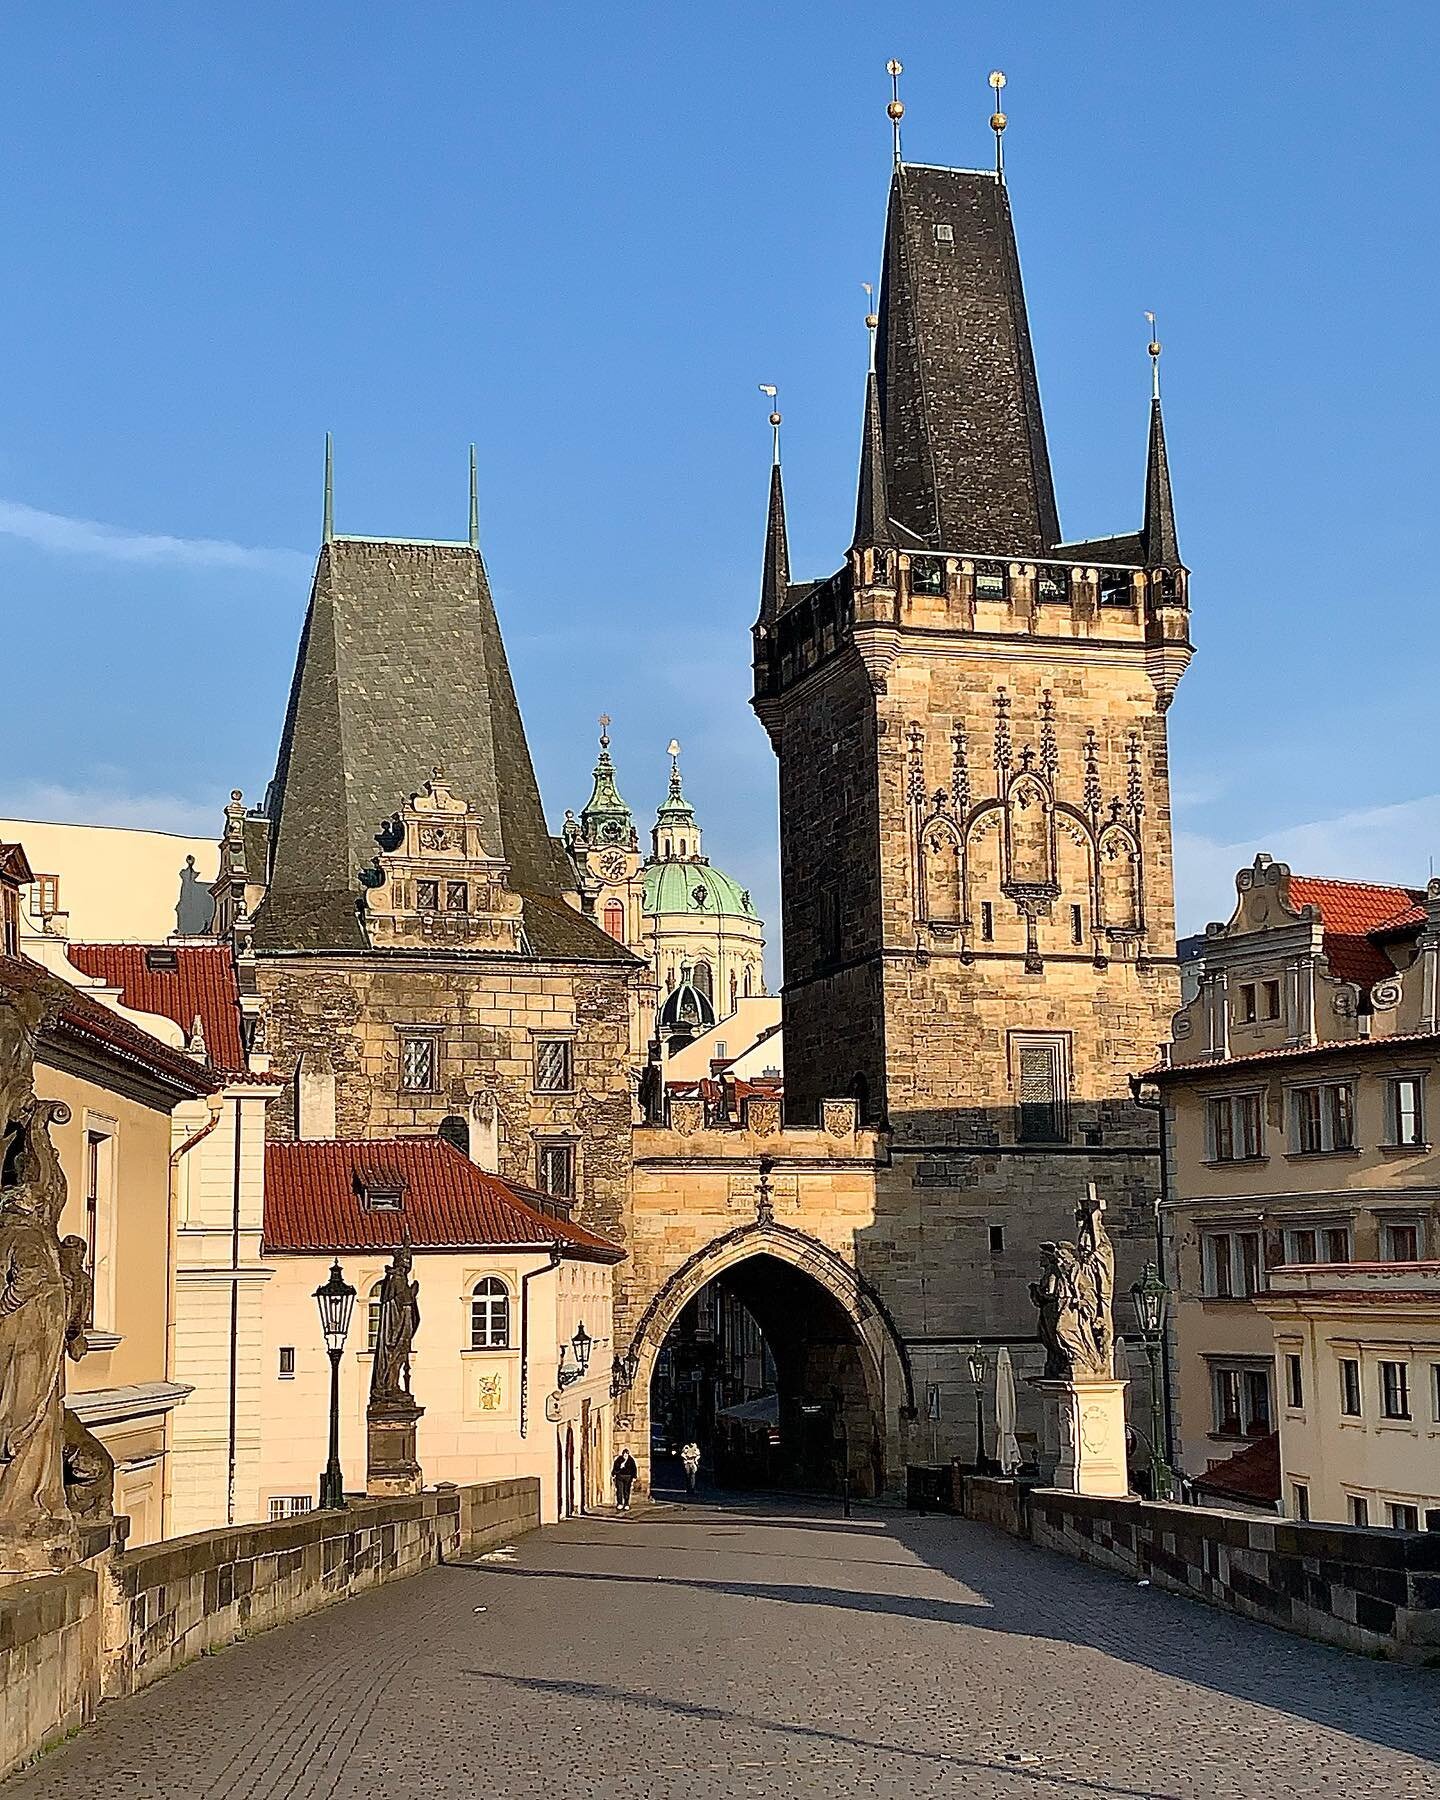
<point>328,526</point>
<point>775,575</point>
<point>896,109</point>
<point>474,503</point>
<point>872,502</point>
<point>1161,541</point>
<point>998,122</point>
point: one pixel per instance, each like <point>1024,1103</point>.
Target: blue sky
<point>581,236</point>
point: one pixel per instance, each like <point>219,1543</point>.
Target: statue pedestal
<point>391,1466</point>
<point>1091,1415</point>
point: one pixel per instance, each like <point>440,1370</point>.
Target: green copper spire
<point>606,819</point>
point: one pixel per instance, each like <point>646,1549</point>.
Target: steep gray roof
<point>402,670</point>
<point>966,463</point>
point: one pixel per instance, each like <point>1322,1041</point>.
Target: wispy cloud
<point>113,543</point>
<point>54,803</point>
<point>1376,843</point>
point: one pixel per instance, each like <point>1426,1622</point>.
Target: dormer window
<point>161,960</point>
<point>380,1189</point>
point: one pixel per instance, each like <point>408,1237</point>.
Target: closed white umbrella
<point>1007,1449</point>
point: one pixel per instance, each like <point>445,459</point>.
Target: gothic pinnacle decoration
<point>1049,749</point>
<point>1134,779</point>
<point>960,772</point>
<point>915,783</point>
<point>1094,796</point>
<point>1003,750</point>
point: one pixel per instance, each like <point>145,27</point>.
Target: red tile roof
<point>73,1015</point>
<point>1251,1475</point>
<point>1349,912</point>
<point>200,985</point>
<point>312,1202</point>
<point>1207,1065</point>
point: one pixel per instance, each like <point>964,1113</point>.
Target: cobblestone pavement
<point>709,1650</point>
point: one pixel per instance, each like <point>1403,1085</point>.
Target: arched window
<point>749,977</point>
<point>669,847</point>
<point>684,847</point>
<point>705,980</point>
<point>490,1315</point>
<point>615,920</point>
<point>372,1316</point>
<point>455,1130</point>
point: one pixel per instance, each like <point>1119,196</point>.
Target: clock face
<point>612,831</point>
<point>612,865</point>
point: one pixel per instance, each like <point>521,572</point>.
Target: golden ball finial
<point>998,121</point>
<point>896,110</point>
<point>775,418</point>
<point>997,79</point>
<point>872,320</point>
<point>894,67</point>
<point>1154,346</point>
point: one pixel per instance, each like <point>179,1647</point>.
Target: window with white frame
<point>1322,1117</point>
<point>289,1506</point>
<point>1317,1243</point>
<point>1405,1111</point>
<point>1231,1262</point>
<point>1300,1500</point>
<point>372,1316</point>
<point>554,1066</point>
<point>1400,1240</point>
<point>1435,1392</point>
<point>490,1314</point>
<point>1234,1126</point>
<point>1294,1382</point>
<point>1403,1515</point>
<point>1351,1396</point>
<point>1394,1390</point>
<point>1240,1394</point>
<point>1038,1072</point>
<point>1358,1509</point>
<point>557,1170</point>
<point>100,1185</point>
<point>287,1362</point>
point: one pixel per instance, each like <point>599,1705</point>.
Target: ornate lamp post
<point>977,1377</point>
<point>1150,1295</point>
<point>581,1345</point>
<point>336,1300</point>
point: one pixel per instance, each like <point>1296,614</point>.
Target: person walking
<point>690,1463</point>
<point>623,1472</point>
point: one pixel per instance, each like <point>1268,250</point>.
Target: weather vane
<point>896,109</point>
<point>998,121</point>
<point>1155,348</point>
<point>768,387</point>
<point>604,731</point>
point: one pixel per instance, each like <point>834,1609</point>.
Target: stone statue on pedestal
<point>392,1417</point>
<point>1075,1296</point>
<point>44,1299</point>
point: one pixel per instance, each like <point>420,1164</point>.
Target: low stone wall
<point>1373,1591</point>
<point>112,1627</point>
<point>49,1661</point>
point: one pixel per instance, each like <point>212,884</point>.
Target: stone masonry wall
<point>342,1013</point>
<point>49,1662</point>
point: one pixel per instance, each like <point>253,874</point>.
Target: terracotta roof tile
<point>200,984</point>
<point>75,1014</point>
<point>1287,1052</point>
<point>313,1202</point>
<point>1349,912</point>
<point>1251,1475</point>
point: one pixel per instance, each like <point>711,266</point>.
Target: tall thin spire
<point>474,503</point>
<point>1160,539</point>
<point>775,575</point>
<point>872,502</point>
<point>998,122</point>
<point>329,513</point>
<point>896,109</point>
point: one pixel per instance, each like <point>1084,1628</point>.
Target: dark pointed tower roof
<point>966,463</point>
<point>872,503</point>
<point>1158,535</point>
<point>401,670</point>
<point>775,576</point>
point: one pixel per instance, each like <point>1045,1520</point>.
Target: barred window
<point>1040,1089</point>
<point>457,896</point>
<point>419,1062</point>
<point>554,1066</point>
<point>557,1170</point>
<point>427,896</point>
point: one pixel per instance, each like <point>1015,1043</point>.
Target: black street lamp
<point>977,1377</point>
<point>581,1344</point>
<point>336,1300</point>
<point>1150,1296</point>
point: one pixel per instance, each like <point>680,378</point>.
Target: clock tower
<point>605,848</point>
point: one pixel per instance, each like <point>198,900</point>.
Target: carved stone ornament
<point>1385,995</point>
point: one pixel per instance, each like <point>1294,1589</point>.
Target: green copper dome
<point>697,888</point>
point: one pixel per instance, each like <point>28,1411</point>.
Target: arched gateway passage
<point>771,1352</point>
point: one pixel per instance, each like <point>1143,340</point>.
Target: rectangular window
<point>1271,996</point>
<point>419,1062</point>
<point>1358,1508</point>
<point>997,1243</point>
<point>1241,1400</point>
<point>1249,1010</point>
<point>1231,1264</point>
<point>1077,925</point>
<point>427,896</point>
<point>987,922</point>
<point>1040,1082</point>
<point>287,1362</point>
<point>554,1066</point>
<point>1403,1516</point>
<point>1336,1240</point>
<point>457,896</point>
<point>1407,1125</point>
<point>1300,1500</point>
<point>1301,1246</point>
<point>47,895</point>
<point>557,1170</point>
<point>289,1506</point>
<point>1435,1392</point>
<point>1350,1404</point>
<point>1322,1118</point>
<point>1234,1127</point>
<point>1400,1242</point>
<point>100,1186</point>
<point>1294,1382</point>
<point>1395,1390</point>
<point>9,921</point>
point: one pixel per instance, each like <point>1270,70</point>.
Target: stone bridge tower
<point>969,717</point>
